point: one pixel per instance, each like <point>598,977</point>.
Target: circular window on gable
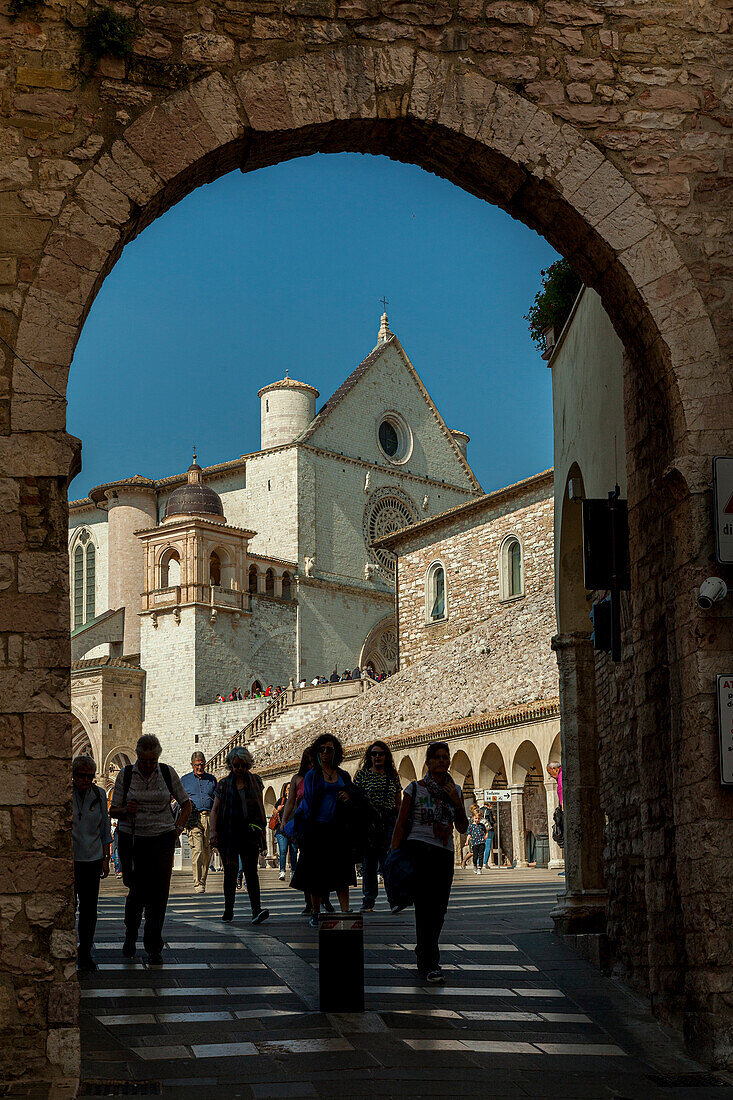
<point>394,437</point>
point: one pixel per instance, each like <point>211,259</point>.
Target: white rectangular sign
<point>725,727</point>
<point>723,486</point>
<point>497,796</point>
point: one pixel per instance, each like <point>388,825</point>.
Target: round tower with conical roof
<point>287,408</point>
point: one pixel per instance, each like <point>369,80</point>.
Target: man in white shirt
<point>91,839</point>
<point>147,833</point>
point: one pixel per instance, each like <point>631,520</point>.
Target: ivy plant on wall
<point>553,302</point>
<point>108,33</point>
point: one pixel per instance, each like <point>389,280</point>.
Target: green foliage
<point>552,304</point>
<point>22,7</point>
<point>108,33</point>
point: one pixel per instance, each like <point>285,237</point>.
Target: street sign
<point>725,727</point>
<point>723,492</point>
<point>497,796</point>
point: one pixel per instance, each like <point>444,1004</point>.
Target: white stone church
<point>259,569</point>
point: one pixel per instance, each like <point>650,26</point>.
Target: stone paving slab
<point>519,1011</point>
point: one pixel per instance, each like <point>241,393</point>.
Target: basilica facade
<point>258,570</point>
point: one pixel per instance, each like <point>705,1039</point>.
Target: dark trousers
<point>86,892</point>
<point>433,880</point>
<point>147,863</point>
<point>478,854</point>
<point>373,863</point>
<point>246,848</point>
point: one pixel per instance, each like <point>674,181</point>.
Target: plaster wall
<point>334,624</point>
<point>588,406</point>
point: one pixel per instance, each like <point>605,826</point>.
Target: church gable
<point>382,413</point>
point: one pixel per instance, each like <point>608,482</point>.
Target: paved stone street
<point>234,1012</point>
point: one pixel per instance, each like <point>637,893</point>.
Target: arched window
<point>215,569</point>
<point>435,594</point>
<point>270,582</point>
<point>83,580</point>
<point>170,569</point>
<point>287,586</point>
<point>253,578</point>
<point>511,569</point>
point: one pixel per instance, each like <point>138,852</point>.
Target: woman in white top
<point>431,809</point>
<point>90,838</point>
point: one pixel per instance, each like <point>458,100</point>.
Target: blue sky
<point>283,269</point>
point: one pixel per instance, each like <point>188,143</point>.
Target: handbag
<point>399,879</point>
<point>274,819</point>
<point>558,827</point>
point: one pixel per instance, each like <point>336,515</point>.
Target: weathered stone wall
<point>603,128</point>
<point>469,546</point>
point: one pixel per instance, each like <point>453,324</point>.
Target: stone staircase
<point>289,712</point>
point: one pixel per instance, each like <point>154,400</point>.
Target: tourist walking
<point>477,839</point>
<point>296,787</point>
<point>146,835</point>
<point>378,781</point>
<point>324,828</point>
<point>91,838</point>
<point>431,808</point>
<point>285,843</point>
<point>201,788</point>
<point>238,830</point>
<point>489,820</point>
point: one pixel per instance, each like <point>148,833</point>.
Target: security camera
<point>711,591</point>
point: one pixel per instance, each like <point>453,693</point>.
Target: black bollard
<point>341,963</point>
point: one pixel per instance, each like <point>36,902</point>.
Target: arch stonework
<point>571,156</point>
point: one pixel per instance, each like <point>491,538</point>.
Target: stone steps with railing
<point>296,707</point>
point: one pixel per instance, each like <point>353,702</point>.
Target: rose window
<point>388,511</point>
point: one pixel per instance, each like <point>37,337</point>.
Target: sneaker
<point>307,912</point>
<point>398,908</point>
<point>282,876</point>
<point>328,908</point>
<point>227,917</point>
<point>198,889</point>
<point>259,917</point>
<point>313,922</point>
<point>435,977</point>
<point>129,948</point>
<point>367,907</point>
<point>155,958</point>
<point>240,882</point>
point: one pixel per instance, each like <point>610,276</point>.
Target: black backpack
<point>127,780</point>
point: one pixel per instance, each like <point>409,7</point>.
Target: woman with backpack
<point>378,781</point>
<point>296,787</point>
<point>238,824</point>
<point>431,809</point>
<point>324,828</point>
<point>91,839</point>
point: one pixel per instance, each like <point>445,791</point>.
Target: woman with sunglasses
<point>238,830</point>
<point>325,860</point>
<point>431,809</point>
<point>378,781</point>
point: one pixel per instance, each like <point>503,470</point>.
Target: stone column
<point>582,908</point>
<point>278,585</point>
<point>519,849</point>
<point>556,856</point>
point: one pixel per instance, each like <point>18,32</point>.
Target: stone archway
<point>567,170</point>
<point>379,651</point>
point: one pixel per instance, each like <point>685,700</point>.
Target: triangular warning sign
<point>729,506</point>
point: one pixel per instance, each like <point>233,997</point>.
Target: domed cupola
<point>195,498</point>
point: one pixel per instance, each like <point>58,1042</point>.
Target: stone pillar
<point>278,585</point>
<point>519,848</point>
<point>556,854</point>
<point>261,581</point>
<point>582,908</point>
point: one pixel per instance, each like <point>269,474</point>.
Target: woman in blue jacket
<point>323,828</point>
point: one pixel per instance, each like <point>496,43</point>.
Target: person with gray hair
<point>201,787</point>
<point>238,823</point>
<point>147,834</point>
<point>91,839</point>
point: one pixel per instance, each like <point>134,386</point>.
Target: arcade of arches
<point>595,125</point>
